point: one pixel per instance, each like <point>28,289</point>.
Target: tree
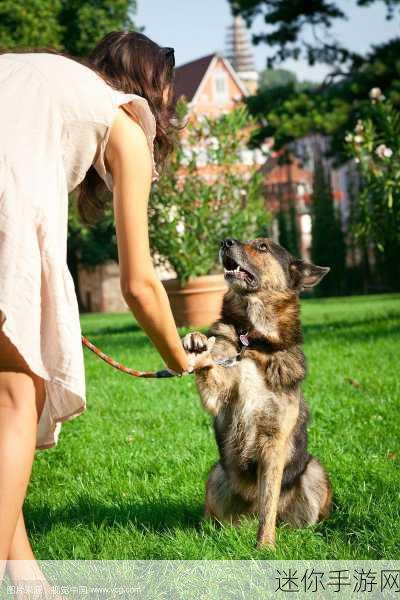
<point>287,113</point>
<point>85,23</point>
<point>294,246</point>
<point>272,78</point>
<point>291,112</point>
<point>30,23</point>
<point>327,246</point>
<point>288,235</point>
<point>302,29</point>
<point>283,233</point>
<point>74,26</point>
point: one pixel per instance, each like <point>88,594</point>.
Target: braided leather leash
<point>162,374</point>
<point>133,372</point>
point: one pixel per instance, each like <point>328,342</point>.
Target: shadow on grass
<point>357,330</point>
<point>110,330</point>
<point>156,517</point>
<point>348,329</point>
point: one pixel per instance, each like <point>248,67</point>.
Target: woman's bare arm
<point>129,160</point>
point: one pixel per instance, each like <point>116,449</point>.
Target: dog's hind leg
<point>222,503</point>
<point>309,500</point>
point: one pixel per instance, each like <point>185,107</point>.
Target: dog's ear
<point>306,275</point>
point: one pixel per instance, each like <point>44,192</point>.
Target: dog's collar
<point>244,342</point>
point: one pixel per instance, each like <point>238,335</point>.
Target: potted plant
<point>210,190</point>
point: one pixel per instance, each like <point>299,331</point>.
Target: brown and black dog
<point>260,416</point>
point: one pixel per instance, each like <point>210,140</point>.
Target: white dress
<point>55,118</point>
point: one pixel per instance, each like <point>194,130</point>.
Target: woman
<point>63,125</point>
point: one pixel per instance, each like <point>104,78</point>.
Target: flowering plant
<point>210,190</point>
<point>375,145</point>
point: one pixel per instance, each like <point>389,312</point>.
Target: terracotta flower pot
<point>197,304</point>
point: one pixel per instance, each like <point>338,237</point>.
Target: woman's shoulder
<point>47,61</point>
<point>130,107</point>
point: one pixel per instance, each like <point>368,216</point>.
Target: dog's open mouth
<point>232,269</point>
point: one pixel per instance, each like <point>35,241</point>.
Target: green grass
<point>126,480</point>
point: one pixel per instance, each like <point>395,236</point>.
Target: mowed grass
<point>126,480</point>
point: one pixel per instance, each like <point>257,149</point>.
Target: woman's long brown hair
<point>134,64</point>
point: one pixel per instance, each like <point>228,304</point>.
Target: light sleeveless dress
<point>55,118</point>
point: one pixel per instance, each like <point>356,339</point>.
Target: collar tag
<point>244,339</point>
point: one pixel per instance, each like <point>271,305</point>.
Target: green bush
<point>375,145</point>
<point>206,194</point>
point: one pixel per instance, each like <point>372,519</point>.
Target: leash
<point>163,373</point>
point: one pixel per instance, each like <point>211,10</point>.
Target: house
<point>210,86</point>
<point>215,84</point>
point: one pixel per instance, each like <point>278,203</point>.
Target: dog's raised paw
<point>195,342</point>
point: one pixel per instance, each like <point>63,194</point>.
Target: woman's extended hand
<point>198,348</point>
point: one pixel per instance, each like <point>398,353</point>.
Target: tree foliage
<point>287,113</point>
<point>296,28</point>
<point>71,25</point>
<point>327,246</point>
<point>30,23</point>
<point>276,78</point>
<point>288,233</point>
<point>85,23</point>
<point>375,145</point>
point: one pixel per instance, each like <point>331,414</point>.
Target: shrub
<point>206,194</point>
<point>375,145</point>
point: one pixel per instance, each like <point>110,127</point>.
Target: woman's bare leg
<point>18,422</point>
<point>22,566</point>
<point>20,548</point>
<point>21,401</point>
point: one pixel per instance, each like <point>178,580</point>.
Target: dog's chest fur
<point>250,415</point>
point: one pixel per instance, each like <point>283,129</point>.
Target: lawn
<point>126,480</point>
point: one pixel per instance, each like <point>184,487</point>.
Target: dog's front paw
<point>195,342</point>
<point>198,347</point>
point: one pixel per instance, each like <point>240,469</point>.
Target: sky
<point>198,27</point>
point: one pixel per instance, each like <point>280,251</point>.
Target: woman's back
<point>62,107</point>
<point>77,90</point>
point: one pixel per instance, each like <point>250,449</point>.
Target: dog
<point>260,415</point>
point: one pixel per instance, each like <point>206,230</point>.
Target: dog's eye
<point>263,247</point>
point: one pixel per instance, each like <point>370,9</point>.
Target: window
<point>221,86</point>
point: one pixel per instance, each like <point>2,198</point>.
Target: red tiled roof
<point>189,76</point>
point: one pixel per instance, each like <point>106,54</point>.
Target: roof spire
<point>240,54</point>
